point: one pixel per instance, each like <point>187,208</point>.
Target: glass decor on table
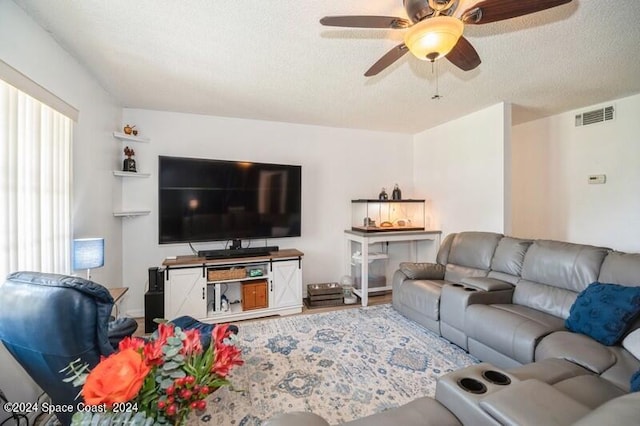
<point>387,215</point>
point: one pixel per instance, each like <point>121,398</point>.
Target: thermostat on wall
<point>597,179</point>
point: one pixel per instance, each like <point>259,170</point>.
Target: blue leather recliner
<point>49,320</point>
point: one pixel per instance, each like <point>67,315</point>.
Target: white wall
<point>30,49</point>
<point>460,167</point>
<point>551,161</point>
<point>337,165</point>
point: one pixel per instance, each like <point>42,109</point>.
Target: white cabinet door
<point>286,284</point>
<point>185,294</point>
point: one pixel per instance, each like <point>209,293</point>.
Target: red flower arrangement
<point>164,378</point>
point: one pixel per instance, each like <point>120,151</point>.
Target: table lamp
<point>88,253</point>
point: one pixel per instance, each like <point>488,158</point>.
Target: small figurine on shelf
<point>129,129</point>
<point>129,164</point>
<point>396,194</point>
<point>383,195</point>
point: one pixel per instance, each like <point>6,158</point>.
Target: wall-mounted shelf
<point>118,173</point>
<point>125,137</point>
<point>131,213</point>
<point>131,174</point>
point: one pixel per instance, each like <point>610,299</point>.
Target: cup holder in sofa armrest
<point>472,385</point>
<point>496,377</point>
<point>469,289</point>
<point>457,285</point>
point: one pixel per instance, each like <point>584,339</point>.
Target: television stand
<point>239,252</point>
<point>256,286</point>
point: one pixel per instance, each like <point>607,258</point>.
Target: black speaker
<point>153,308</point>
<point>156,279</point>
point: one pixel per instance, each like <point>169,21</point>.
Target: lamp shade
<point>88,253</point>
<point>433,38</point>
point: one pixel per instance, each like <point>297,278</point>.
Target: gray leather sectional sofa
<point>505,300</point>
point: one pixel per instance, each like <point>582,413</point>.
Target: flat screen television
<point>213,200</point>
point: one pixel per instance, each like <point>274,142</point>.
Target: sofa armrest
<point>423,271</point>
<point>454,300</point>
<point>296,419</point>
<point>533,402</point>
<point>487,284</point>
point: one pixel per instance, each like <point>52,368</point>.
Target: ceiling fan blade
<point>464,56</point>
<point>366,22</point>
<point>389,58</point>
<point>488,11</point>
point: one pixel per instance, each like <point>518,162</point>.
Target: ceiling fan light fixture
<point>433,38</point>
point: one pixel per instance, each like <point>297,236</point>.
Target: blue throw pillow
<point>604,312</point>
<point>635,382</point>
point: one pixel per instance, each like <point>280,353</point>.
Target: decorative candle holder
<point>129,164</point>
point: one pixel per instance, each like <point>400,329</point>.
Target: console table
<point>366,238</point>
<point>198,287</point>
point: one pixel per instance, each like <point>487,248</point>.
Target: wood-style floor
<point>374,299</point>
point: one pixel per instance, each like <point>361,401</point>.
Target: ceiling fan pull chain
<point>434,70</point>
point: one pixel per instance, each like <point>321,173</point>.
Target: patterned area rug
<point>341,365</point>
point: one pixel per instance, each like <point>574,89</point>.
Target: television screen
<point>210,200</point>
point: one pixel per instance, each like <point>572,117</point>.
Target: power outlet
<point>597,179</point>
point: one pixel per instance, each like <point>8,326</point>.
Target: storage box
<point>325,294</point>
<point>387,215</point>
<point>377,267</point>
<point>226,274</point>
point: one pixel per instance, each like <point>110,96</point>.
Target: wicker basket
<point>226,274</point>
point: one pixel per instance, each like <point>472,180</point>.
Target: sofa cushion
<point>550,370</point>
<point>546,298</point>
<point>589,390</point>
<point>422,296</point>
<point>565,265</point>
<point>604,312</point>
<point>577,348</point>
<point>509,255</point>
<point>474,249</point>
<point>422,271</point>
<point>442,257</point>
<point>512,330</point>
<point>621,268</point>
<point>533,402</point>
<point>625,410</point>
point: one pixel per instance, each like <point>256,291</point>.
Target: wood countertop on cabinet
<point>195,260</point>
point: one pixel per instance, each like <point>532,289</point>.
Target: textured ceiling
<point>272,60</point>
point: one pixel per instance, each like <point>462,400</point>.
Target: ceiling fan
<point>434,28</point>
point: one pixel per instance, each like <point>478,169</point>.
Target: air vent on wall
<point>595,116</point>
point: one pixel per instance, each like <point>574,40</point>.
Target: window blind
<point>35,184</point>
